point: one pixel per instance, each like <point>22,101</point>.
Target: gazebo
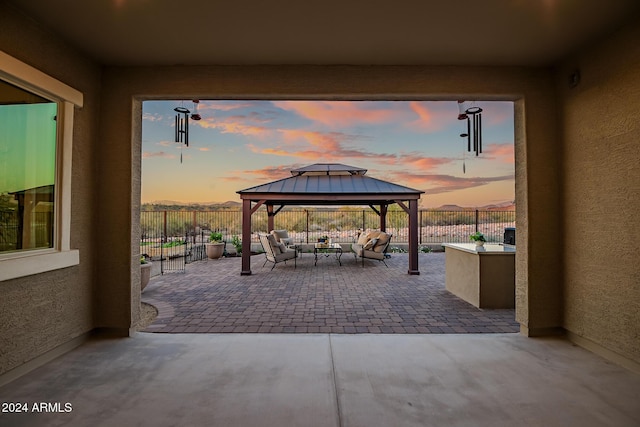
<point>329,184</point>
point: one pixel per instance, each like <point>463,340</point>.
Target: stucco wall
<point>41,312</point>
<point>538,260</point>
<point>601,133</point>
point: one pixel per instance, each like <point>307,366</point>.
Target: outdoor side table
<point>296,247</point>
<point>326,250</point>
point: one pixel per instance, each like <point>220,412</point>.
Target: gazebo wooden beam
<point>257,206</point>
<point>373,208</point>
<point>402,205</point>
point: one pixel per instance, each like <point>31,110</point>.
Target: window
<point>27,169</point>
<point>36,124</point>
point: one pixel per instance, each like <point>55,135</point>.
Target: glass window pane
<point>27,169</point>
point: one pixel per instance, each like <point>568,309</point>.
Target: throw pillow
<point>280,234</point>
<point>274,245</point>
<point>383,241</point>
<point>363,238</point>
<point>370,244</point>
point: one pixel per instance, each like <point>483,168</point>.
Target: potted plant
<point>478,238</point>
<point>215,247</point>
<point>237,243</point>
<point>145,272</point>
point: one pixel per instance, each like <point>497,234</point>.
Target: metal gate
<point>171,239</point>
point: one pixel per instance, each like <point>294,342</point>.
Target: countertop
<point>487,249</point>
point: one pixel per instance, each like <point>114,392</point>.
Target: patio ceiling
<point>356,32</point>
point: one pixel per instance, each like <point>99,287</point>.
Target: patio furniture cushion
<point>363,238</point>
<point>381,244</point>
<point>282,236</point>
<point>274,245</point>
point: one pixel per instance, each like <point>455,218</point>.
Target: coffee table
<point>326,249</point>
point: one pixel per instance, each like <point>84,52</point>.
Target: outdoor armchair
<point>372,245</point>
<point>276,252</point>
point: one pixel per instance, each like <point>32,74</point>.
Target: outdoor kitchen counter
<point>484,277</point>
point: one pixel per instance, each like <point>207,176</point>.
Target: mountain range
<point>504,206</point>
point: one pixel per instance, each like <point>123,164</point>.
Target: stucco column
<point>413,237</point>
<point>246,238</point>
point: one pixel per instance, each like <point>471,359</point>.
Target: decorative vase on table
<point>479,243</point>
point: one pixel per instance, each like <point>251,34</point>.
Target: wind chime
<point>182,123</point>
<point>473,115</point>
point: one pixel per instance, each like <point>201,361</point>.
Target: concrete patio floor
<point>212,297</point>
<point>237,380</point>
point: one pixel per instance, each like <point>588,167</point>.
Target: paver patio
<point>212,297</point>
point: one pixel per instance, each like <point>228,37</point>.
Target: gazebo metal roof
<point>329,184</point>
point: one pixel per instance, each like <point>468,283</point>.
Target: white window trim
<point>20,264</point>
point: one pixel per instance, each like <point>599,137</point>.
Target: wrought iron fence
<point>12,231</point>
<point>306,225</point>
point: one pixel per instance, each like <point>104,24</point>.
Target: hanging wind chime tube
<point>462,115</point>
<point>474,133</point>
<point>182,125</point>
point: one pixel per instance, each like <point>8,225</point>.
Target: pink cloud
<point>319,145</point>
<point>436,184</point>
<point>224,105</point>
<point>500,152</point>
<point>340,113</point>
<point>496,113</point>
<point>232,125</point>
<point>162,154</point>
<point>421,162</point>
<point>270,173</point>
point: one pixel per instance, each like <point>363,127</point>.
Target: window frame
<point>25,263</point>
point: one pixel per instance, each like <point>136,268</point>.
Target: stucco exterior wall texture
<point>600,131</point>
<point>41,312</point>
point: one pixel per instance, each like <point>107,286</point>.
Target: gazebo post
<point>270,216</point>
<point>383,217</point>
<point>246,238</point>
<point>413,237</point>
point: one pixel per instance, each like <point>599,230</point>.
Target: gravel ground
<point>148,314</point>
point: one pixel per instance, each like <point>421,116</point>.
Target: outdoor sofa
<point>372,245</point>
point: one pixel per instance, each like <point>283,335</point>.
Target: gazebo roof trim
<point>329,169</point>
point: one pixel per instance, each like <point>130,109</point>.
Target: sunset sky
<point>239,144</point>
